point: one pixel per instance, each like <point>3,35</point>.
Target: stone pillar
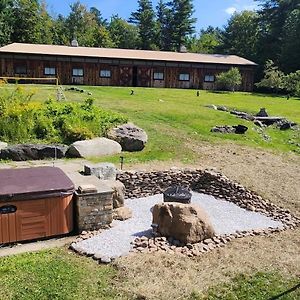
<point>94,207</point>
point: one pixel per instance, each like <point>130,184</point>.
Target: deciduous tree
<point>229,80</point>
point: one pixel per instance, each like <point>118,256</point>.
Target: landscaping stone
<point>3,145</point>
<point>118,189</point>
<point>25,152</point>
<point>262,113</point>
<point>122,213</point>
<point>129,136</point>
<point>104,171</point>
<point>223,129</point>
<point>238,129</point>
<point>187,223</point>
<point>93,148</point>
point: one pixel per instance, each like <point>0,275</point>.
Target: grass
<point>177,119</point>
<point>55,274</point>
<point>60,274</point>
<point>258,286</point>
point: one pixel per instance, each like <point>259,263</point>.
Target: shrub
<point>22,120</point>
<point>229,80</point>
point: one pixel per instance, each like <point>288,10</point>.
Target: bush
<point>291,83</point>
<point>22,120</point>
<point>229,80</point>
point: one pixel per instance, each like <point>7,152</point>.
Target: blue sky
<point>208,12</point>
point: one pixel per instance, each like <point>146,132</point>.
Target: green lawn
<point>174,118</point>
<point>56,274</point>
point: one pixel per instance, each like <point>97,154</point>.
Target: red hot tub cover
<point>34,183</point>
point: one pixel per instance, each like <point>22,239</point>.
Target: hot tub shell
<point>35,203</point>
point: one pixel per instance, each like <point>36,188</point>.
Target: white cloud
<point>230,10</point>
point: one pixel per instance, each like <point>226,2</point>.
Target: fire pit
<point>177,194</point>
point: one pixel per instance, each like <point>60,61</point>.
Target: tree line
<point>270,33</point>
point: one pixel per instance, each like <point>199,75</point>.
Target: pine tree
<point>163,26</point>
<point>182,21</point>
<point>144,19</point>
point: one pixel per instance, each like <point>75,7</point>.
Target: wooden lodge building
<point>120,67</point>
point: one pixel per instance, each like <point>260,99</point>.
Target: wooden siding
<point>122,72</point>
<point>37,219</point>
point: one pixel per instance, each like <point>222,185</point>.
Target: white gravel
<point>225,216</point>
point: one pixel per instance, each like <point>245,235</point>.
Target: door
<point>125,76</point>
<point>144,77</point>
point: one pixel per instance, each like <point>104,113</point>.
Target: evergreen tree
<point>290,46</point>
<point>163,26</point>
<point>6,21</point>
<point>273,78</point>
<point>273,23</point>
<point>60,34</point>
<point>182,21</point>
<point>123,34</point>
<point>143,18</point>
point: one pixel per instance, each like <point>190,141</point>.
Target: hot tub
<point>35,203</point>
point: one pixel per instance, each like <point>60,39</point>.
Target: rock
<point>122,213</point>
<point>187,223</point>
<point>93,148</point>
<point>3,145</point>
<point>242,115</point>
<point>262,113</point>
<point>131,137</point>
<point>105,260</point>
<point>212,106</point>
<point>222,108</point>
<point>259,123</point>
<point>223,129</point>
<point>24,152</point>
<point>104,171</point>
<point>240,129</point>
<point>118,192</point>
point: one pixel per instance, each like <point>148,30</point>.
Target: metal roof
<point>113,53</point>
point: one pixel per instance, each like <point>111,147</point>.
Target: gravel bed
<point>225,216</point>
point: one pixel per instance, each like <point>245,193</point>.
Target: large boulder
<point>93,148</point>
<point>24,152</point>
<point>187,223</point>
<point>130,137</point>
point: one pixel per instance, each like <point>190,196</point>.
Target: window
<point>158,76</point>
<point>105,73</point>
<point>209,78</point>
<point>77,72</point>
<point>184,77</point>
<point>20,70</point>
<point>49,71</point>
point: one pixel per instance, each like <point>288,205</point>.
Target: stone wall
<point>93,210</point>
<point>142,184</point>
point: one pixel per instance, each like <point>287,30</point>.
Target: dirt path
<point>274,176</point>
